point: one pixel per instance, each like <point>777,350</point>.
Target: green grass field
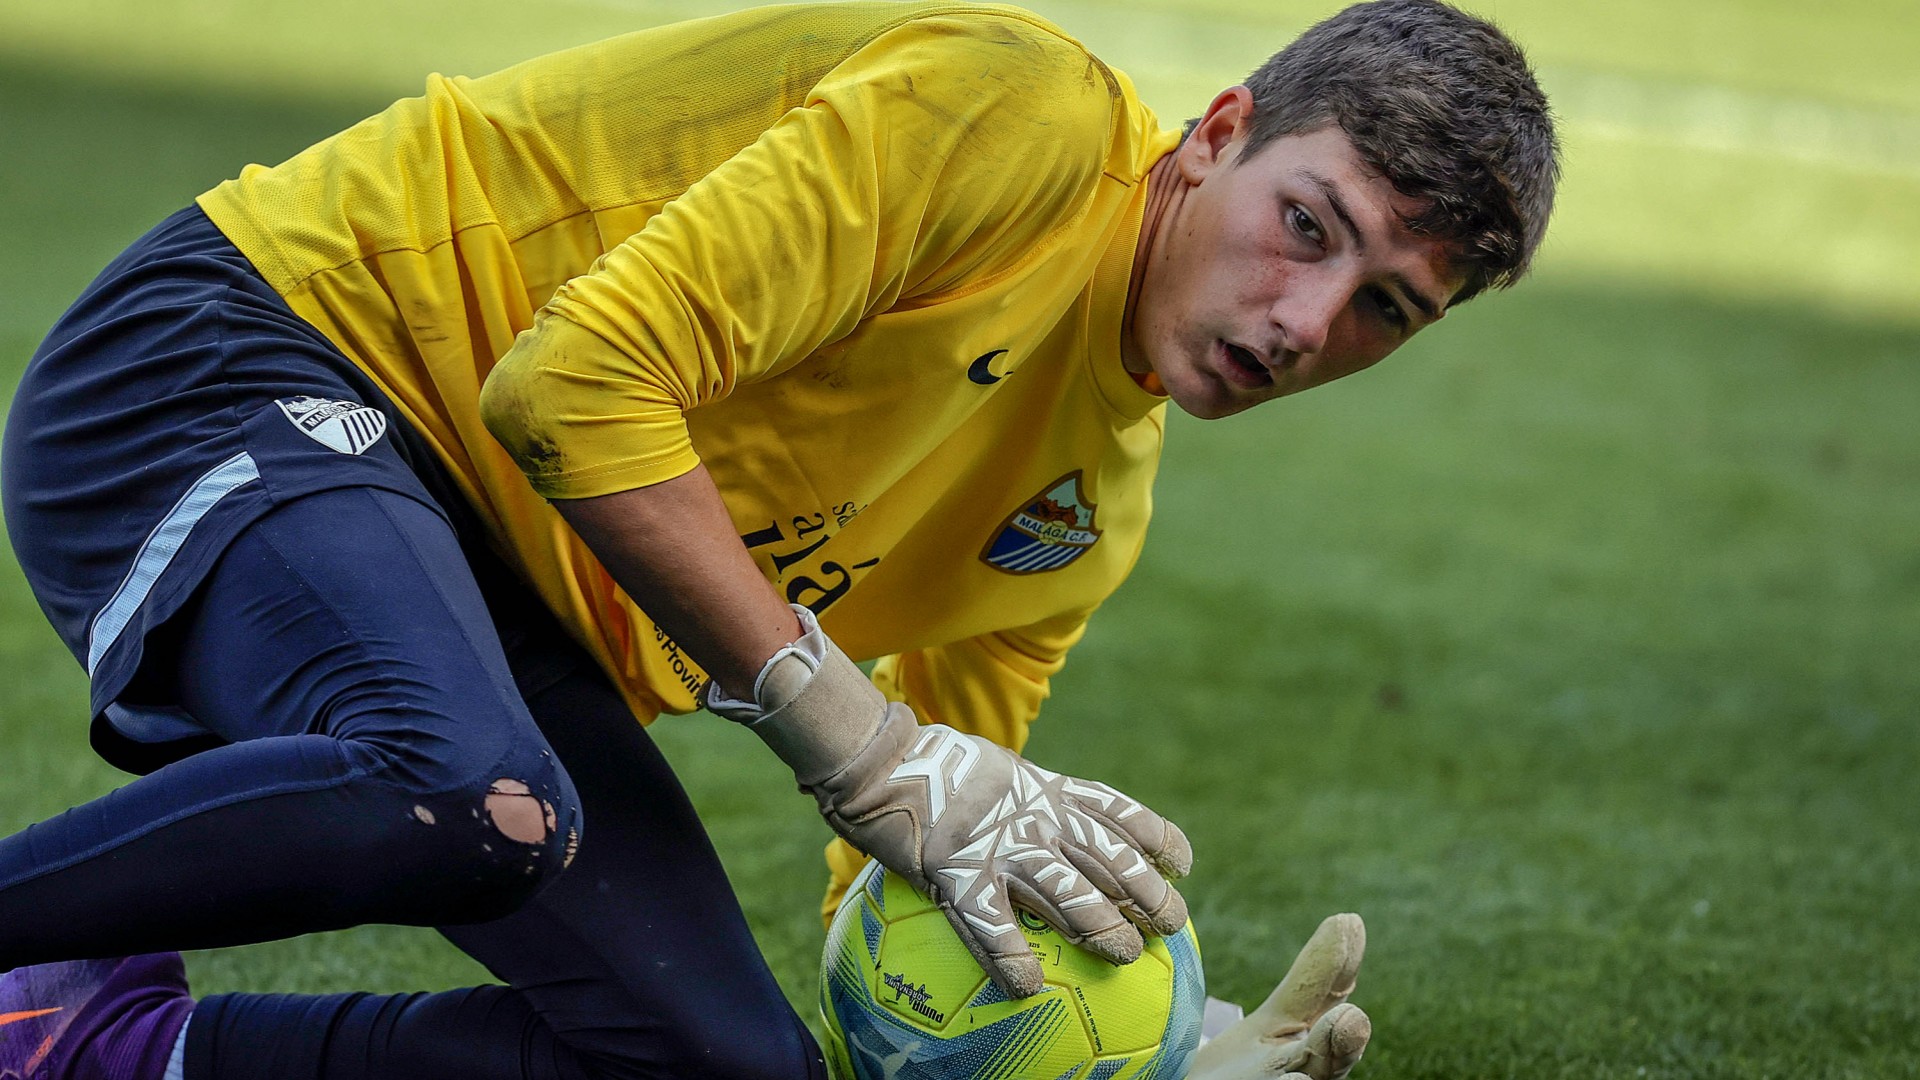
<point>1577,648</point>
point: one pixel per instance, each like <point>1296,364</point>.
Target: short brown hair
<point>1441,104</point>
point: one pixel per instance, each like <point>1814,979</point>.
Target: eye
<point>1304,224</point>
<point>1390,311</point>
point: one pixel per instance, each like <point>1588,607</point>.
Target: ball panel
<point>925,975</point>
<point>990,994</point>
<point>881,1046</point>
<point>1122,1009</point>
<point>1182,1039</point>
<point>870,931</point>
<point>897,899</point>
<point>835,1051</point>
<point>915,1006</point>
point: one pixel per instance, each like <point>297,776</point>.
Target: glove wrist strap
<point>815,708</point>
<point>782,676</point>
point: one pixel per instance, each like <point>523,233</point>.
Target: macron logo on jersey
<point>985,371</point>
<point>344,426</point>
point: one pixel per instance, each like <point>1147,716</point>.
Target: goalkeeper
<point>381,490</point>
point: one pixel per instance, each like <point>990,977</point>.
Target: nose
<point>1307,307</point>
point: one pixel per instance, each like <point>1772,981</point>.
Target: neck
<point>1162,183</point>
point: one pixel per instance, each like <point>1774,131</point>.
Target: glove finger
<point>1327,1051</point>
<point>1336,1042</point>
<point>1322,976</point>
<point>1159,905</point>
<point>1147,900</point>
<point>1086,918</point>
<point>986,927</point>
<point>1160,840</point>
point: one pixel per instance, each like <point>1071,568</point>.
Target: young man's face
<point>1272,275</point>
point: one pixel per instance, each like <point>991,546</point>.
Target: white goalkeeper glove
<point>970,823</point>
<point>1305,1030</point>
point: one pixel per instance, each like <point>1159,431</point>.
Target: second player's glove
<point>1306,1029</point>
<point>972,824</point>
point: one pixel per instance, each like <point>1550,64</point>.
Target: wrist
<point>813,706</point>
<point>780,678</point>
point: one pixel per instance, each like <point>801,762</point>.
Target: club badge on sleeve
<point>1048,532</point>
<point>346,426</point>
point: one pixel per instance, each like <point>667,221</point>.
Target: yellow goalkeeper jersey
<point>866,262</point>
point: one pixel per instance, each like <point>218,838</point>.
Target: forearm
<point>673,548</point>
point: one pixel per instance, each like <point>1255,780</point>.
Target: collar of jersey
<point>1108,310</point>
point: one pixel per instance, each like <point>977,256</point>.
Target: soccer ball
<point>903,999</point>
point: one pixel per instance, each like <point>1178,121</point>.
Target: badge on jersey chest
<point>1049,531</point>
<point>345,426</point>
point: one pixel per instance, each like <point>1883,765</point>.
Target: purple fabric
<point>92,1019</point>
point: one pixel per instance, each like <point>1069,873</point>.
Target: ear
<point>1216,138</point>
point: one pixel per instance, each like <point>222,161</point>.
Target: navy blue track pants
<point>351,714</point>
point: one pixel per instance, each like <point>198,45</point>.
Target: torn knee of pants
<point>519,814</point>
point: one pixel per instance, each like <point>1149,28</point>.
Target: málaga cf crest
<point>346,426</point>
<point>1050,531</point>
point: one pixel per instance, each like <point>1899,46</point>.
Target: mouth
<point>1242,368</point>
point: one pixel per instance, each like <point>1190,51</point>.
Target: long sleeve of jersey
<point>990,685</point>
<point>945,153</point>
